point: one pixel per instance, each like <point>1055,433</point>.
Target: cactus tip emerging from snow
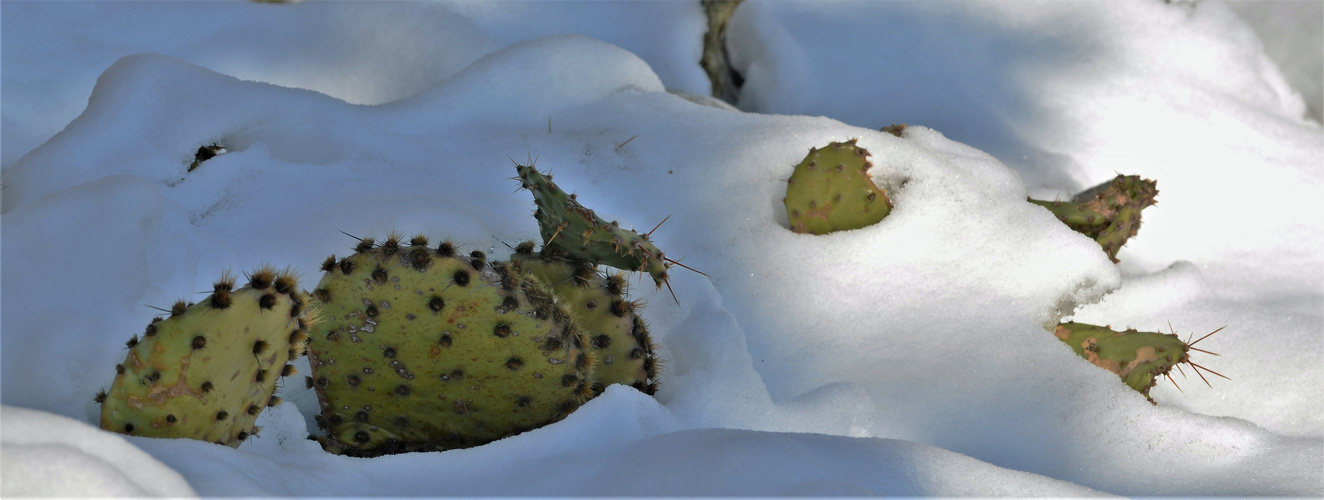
<point>1108,213</point>
<point>1139,358</point>
<point>576,231</point>
<point>830,190</point>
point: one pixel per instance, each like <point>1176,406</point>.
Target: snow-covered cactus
<point>424,349</point>
<point>1139,358</point>
<point>578,232</point>
<point>208,370</point>
<point>830,190</point>
<point>1108,213</point>
<point>617,336</point>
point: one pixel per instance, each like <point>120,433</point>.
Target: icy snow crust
<point>908,358</point>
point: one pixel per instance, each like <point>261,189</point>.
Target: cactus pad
<point>1139,358</point>
<point>1108,213</point>
<point>618,337</point>
<point>423,349</point>
<point>580,233</point>
<point>208,370</point>
<point>830,190</point>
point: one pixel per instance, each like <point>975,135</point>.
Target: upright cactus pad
<point>1108,213</point>
<point>618,337</point>
<point>208,370</point>
<point>830,190</point>
<point>577,231</point>
<point>423,349</point>
<point>1139,358</point>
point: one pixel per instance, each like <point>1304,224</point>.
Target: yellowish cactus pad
<point>424,349</point>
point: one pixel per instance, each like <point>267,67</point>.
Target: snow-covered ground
<point>907,358</point>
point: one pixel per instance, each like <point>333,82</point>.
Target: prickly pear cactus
<point>579,232</point>
<point>208,370</point>
<point>1139,358</point>
<point>830,190</point>
<point>423,349</point>
<point>618,337</point>
<point>1108,213</point>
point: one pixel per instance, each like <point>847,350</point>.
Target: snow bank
<point>906,358</point>
<point>358,52</point>
<point>1069,95</point>
<point>50,455</point>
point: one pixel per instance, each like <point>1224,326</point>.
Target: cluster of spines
<point>153,395</point>
<point>1108,213</point>
<point>1138,358</point>
<point>830,190</point>
<point>364,432</point>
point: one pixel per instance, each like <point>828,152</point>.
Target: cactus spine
<point>208,370</point>
<point>830,190</point>
<point>1139,358</point>
<point>423,349</point>
<point>1108,213</point>
<point>618,337</point>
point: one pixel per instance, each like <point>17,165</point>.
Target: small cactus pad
<point>1108,213</point>
<point>423,349</point>
<point>1139,358</point>
<point>208,370</point>
<point>617,336</point>
<point>579,232</point>
<point>831,191</point>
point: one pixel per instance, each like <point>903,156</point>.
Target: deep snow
<point>907,358</point>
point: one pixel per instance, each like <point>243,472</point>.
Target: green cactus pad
<point>1108,213</point>
<point>579,232</point>
<point>618,337</point>
<point>1139,358</point>
<point>830,190</point>
<point>422,349</point>
<point>208,370</point>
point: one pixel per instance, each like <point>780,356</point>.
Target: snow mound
<point>53,456</point>
<point>908,357</point>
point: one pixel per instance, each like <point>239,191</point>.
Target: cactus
<point>830,190</point>
<point>1139,358</point>
<point>578,232</point>
<point>1108,213</point>
<point>618,337</point>
<point>208,370</point>
<point>896,129</point>
<point>423,349</point>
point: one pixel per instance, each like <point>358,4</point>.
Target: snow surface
<point>905,359</point>
<point>1293,35</point>
<point>60,456</point>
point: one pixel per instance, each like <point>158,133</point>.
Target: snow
<point>1294,38</point>
<point>908,358</point>
<point>59,456</point>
